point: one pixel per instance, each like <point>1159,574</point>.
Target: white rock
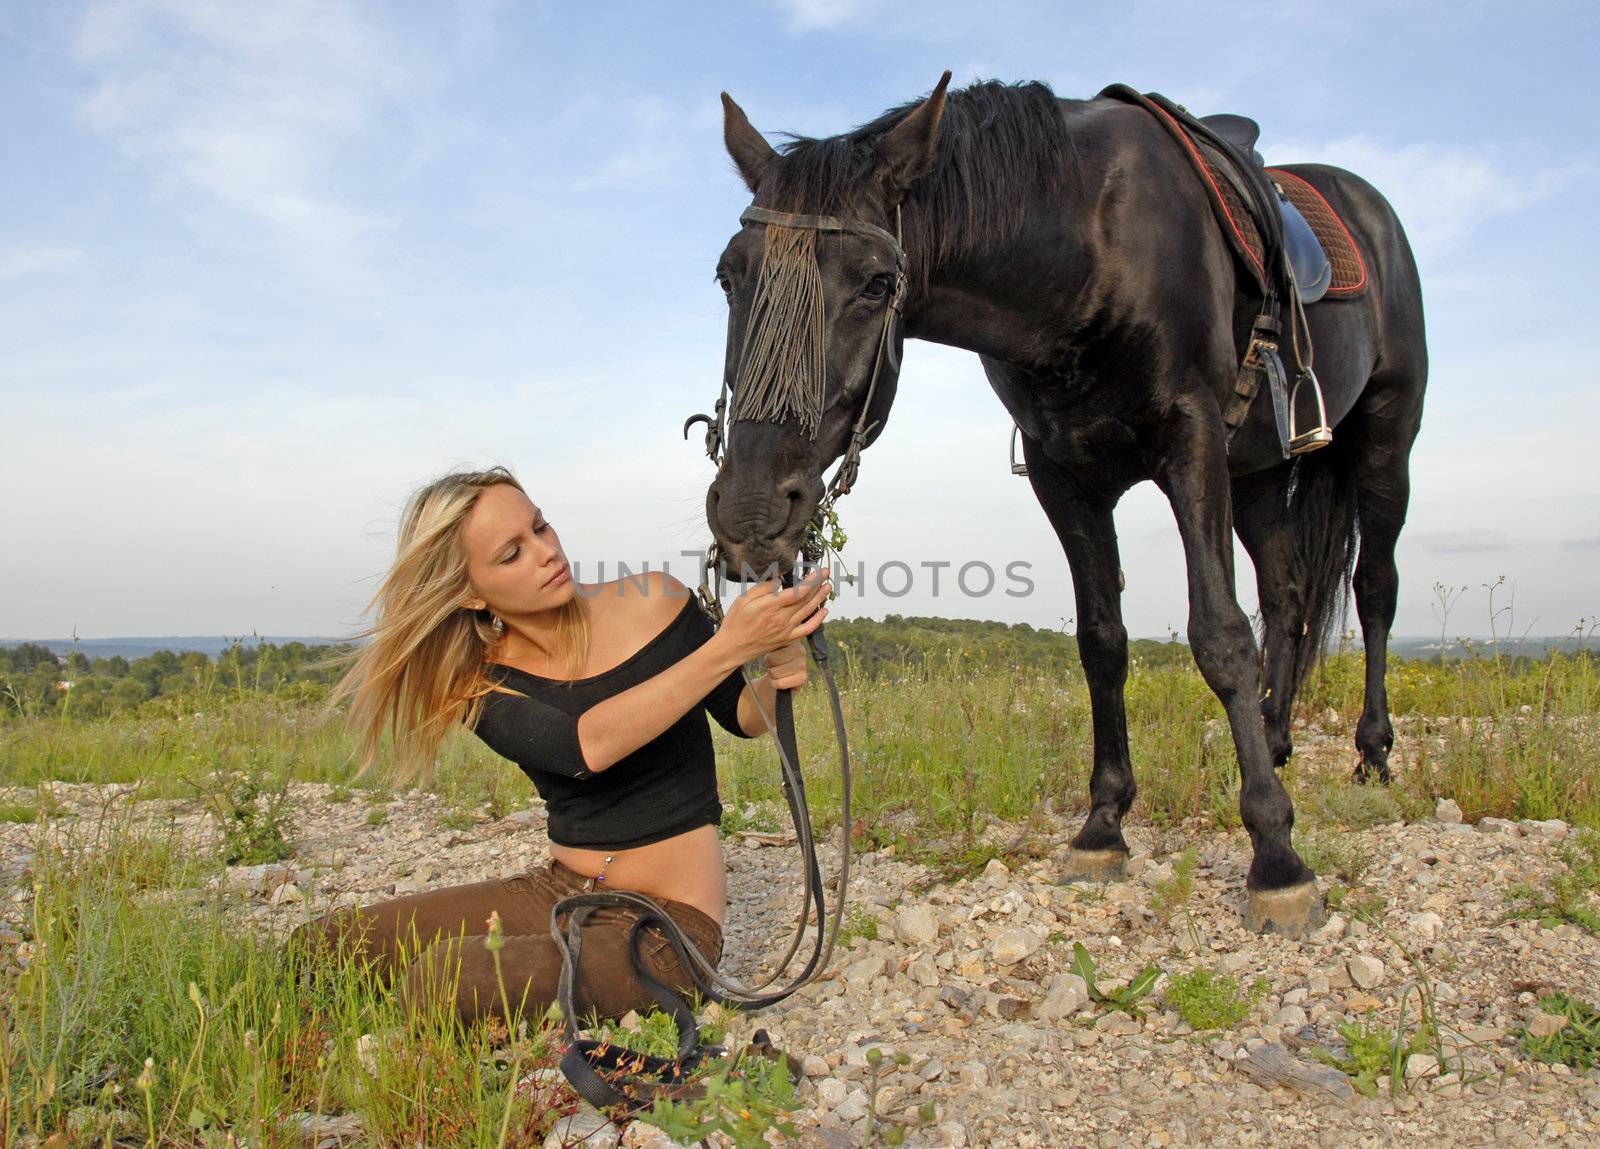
<point>1553,828</point>
<point>1447,811</point>
<point>1233,962</point>
<point>1427,924</point>
<point>1068,994</point>
<point>924,972</point>
<point>1290,1017</point>
<point>916,926</point>
<point>1421,1065</point>
<point>1331,930</point>
<point>1118,1024</point>
<point>975,1075</point>
<point>831,1093</point>
<point>1546,1024</point>
<point>1366,971</point>
<point>861,972</point>
<point>1015,944</point>
<point>287,894</point>
<point>996,869</point>
<point>586,1127</point>
<point>367,1053</point>
<point>643,1135</point>
<point>854,1107</point>
<point>814,1066</point>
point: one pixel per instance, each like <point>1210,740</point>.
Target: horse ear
<point>750,151</point>
<point>907,152</point>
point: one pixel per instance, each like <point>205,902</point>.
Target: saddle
<point>1292,244</point>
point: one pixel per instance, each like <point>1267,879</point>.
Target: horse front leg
<point>1282,889</point>
<point>1089,538</point>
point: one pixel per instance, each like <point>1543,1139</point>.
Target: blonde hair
<point>424,667</point>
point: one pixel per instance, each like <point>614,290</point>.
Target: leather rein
<point>632,1079</point>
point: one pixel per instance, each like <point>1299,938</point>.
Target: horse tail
<point>1322,512</point>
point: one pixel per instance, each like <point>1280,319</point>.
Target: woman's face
<point>514,559</point>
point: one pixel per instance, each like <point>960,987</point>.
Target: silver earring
<point>496,622</point>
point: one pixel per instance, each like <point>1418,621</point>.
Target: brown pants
<point>441,928</point>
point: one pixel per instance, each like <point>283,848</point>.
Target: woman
<point>599,693</point>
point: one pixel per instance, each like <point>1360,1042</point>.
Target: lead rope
<point>629,1086</point>
<point>584,1058</point>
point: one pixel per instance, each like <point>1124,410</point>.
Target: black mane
<point>999,145</point>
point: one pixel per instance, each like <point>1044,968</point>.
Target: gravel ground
<point>972,980</point>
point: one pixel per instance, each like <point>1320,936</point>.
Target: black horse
<point>1070,244</point>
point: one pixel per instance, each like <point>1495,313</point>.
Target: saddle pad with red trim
<point>1349,269</point>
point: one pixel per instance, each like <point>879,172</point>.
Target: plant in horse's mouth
<point>825,536</point>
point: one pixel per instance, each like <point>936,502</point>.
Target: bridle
<point>627,1084</point>
<point>850,464</point>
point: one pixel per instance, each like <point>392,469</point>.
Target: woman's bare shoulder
<point>649,599</point>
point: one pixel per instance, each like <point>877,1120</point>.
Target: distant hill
<point>211,645</point>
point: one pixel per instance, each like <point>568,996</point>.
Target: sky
<point>267,268</point>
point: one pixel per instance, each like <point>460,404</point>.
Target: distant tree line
<point>34,681</point>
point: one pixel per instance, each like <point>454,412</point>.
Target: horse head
<point>814,279</point>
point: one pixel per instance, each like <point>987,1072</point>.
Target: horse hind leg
<point>1383,494</point>
<point>1282,889</point>
<point>1261,519</point>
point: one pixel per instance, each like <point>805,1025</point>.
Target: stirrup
<point>1016,467</point>
<point>1304,442</point>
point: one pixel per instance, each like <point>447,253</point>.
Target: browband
<point>755,214</point>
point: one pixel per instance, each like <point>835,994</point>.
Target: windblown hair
<point>424,668</point>
<point>1000,146</point>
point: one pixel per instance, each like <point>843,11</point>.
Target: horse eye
<point>877,288</point>
<point>725,283</point>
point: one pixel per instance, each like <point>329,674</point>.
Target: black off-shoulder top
<point>666,787</point>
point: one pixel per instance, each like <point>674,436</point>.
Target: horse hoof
<point>1094,865</point>
<point>1292,912</point>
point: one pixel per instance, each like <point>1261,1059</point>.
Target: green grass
<point>19,812</point>
<point>1211,1001</point>
<point>123,922</point>
<point>1576,1044</point>
<point>940,744</point>
<point>150,1012</point>
<point>1568,894</point>
<point>1375,1051</point>
<point>859,924</point>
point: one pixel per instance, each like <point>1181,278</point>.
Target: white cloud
<point>811,15</point>
<point>21,262</point>
<point>261,108</point>
<point>1442,193</point>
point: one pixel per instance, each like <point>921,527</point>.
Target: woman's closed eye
<point>515,551</point>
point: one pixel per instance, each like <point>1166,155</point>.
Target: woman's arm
<point>762,619</point>
<point>750,714</point>
<point>611,730</point>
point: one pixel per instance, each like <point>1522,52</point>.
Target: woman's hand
<point>768,616</point>
<point>786,666</point>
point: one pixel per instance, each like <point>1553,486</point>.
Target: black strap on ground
<point>609,1077</point>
